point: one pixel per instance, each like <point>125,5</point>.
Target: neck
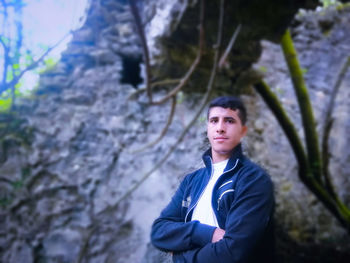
<point>219,157</point>
<point>224,155</point>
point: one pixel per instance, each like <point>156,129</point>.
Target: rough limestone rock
<point>70,155</point>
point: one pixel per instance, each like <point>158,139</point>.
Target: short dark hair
<point>234,103</point>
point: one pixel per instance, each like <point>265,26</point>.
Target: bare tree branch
<point>86,240</point>
<point>195,63</point>
<point>183,81</point>
<point>160,83</point>
<point>328,126</point>
<point>164,131</point>
<point>5,64</point>
<point>42,193</point>
<point>165,82</point>
<point>6,50</point>
<point>141,33</point>
<point>18,45</point>
<point>16,79</point>
<point>229,46</point>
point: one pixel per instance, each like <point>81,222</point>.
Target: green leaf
<point>5,104</point>
<point>9,76</point>
<point>50,62</point>
<point>327,3</point>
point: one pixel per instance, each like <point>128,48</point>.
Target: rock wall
<point>69,158</point>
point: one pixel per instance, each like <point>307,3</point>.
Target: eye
<point>213,120</point>
<point>231,121</point>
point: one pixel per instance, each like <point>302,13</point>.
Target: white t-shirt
<point>203,212</point>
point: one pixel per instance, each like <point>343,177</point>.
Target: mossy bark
<point>309,160</point>
<point>309,124</point>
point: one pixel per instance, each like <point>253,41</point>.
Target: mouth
<point>220,139</point>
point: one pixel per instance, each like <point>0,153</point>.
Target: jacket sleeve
<point>246,222</point>
<point>170,232</point>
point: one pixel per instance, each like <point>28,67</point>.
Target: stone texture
<point>69,159</point>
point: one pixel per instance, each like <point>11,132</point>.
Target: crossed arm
<point>193,242</point>
<point>217,235</point>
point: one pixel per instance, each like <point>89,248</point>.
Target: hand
<point>218,235</point>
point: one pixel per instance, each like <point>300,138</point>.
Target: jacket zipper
<point>189,211</point>
<point>227,191</point>
<point>211,174</point>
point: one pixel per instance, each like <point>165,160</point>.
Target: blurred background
<point>103,113</point>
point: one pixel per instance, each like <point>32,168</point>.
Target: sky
<point>45,23</point>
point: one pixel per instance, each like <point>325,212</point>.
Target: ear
<point>244,130</point>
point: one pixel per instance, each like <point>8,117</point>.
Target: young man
<point>224,211</point>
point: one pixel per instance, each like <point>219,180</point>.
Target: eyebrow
<point>225,118</point>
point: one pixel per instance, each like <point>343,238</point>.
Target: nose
<point>220,127</point>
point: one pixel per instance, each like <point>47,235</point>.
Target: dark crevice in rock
<point>131,72</point>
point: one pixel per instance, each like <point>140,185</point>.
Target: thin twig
<point>163,132</point>
<point>165,82</point>
<point>229,46</point>
<point>328,126</point>
<point>141,33</point>
<point>192,122</point>
<point>195,63</point>
<point>5,64</point>
<point>43,193</point>
<point>84,248</point>
<point>160,84</point>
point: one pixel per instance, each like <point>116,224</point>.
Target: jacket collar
<point>236,154</point>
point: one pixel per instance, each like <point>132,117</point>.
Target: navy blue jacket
<point>243,202</point>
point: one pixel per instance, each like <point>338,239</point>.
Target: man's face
<point>224,132</point>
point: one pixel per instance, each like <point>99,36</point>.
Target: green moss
<point>202,119</point>
<point>280,91</point>
<point>304,70</point>
<point>342,6</point>
<point>4,202</point>
<point>17,184</point>
<point>286,187</point>
<point>26,172</point>
<point>263,69</point>
<point>14,131</point>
